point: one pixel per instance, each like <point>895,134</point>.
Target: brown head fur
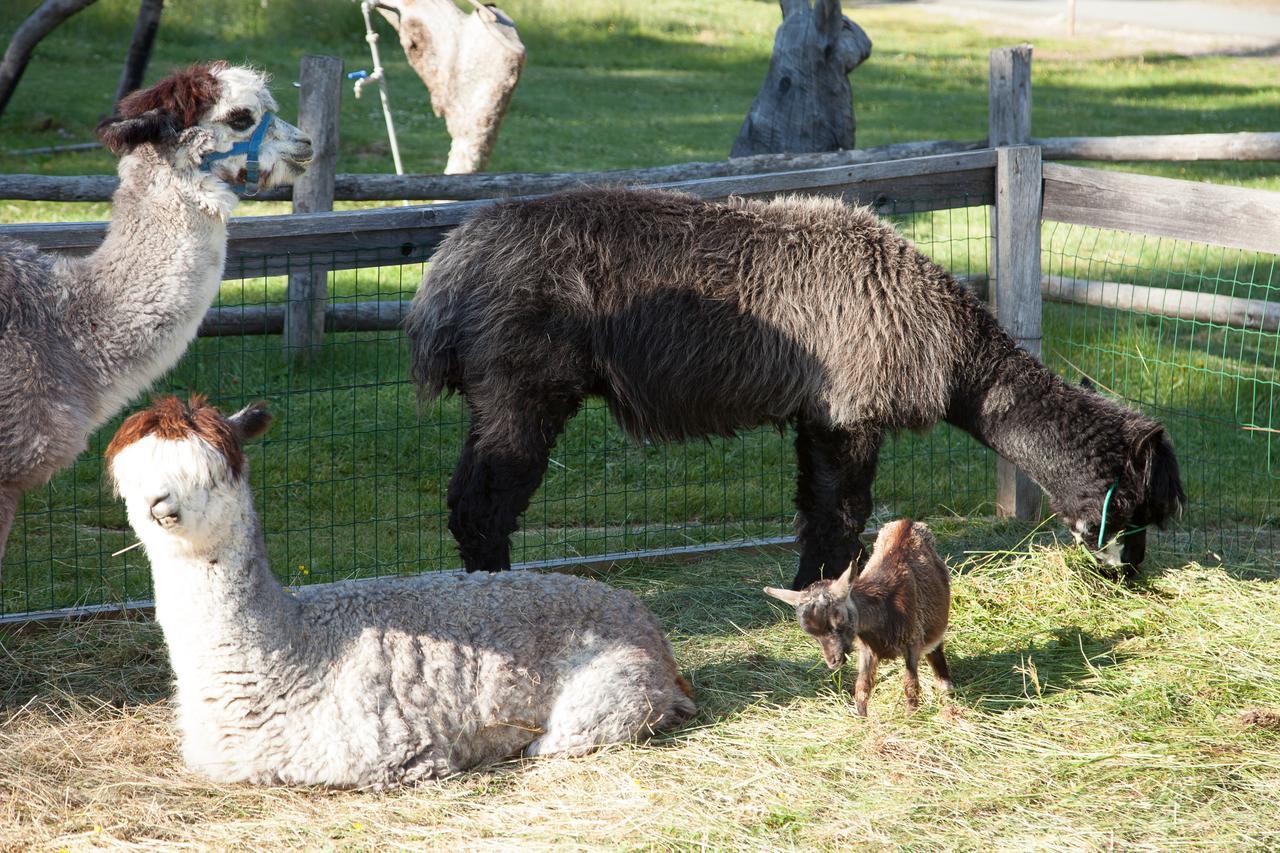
<point>159,113</point>
<point>168,418</point>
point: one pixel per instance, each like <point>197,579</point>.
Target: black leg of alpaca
<point>833,497</point>
<point>501,466</point>
<point>9,498</point>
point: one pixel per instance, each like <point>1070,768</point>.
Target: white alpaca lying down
<point>374,683</point>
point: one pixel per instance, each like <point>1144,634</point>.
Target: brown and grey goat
<point>897,607</point>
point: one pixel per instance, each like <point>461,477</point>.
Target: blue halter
<point>248,146</point>
<point>1102,528</point>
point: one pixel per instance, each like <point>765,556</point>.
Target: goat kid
<point>897,607</point>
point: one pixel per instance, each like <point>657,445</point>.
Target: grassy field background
<point>1088,715</point>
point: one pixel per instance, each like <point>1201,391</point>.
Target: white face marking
<point>175,488</point>
<point>285,151</point>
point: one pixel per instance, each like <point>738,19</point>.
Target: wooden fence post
<point>1019,189</point>
<point>319,103</point>
<point>1015,219</point>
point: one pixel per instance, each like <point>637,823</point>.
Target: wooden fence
<point>1022,190</point>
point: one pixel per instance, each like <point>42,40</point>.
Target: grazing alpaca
<point>897,607</point>
<point>694,318</point>
<point>374,683</point>
<point>80,337</point>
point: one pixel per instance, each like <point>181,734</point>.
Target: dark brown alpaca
<point>692,318</point>
<point>897,607</point>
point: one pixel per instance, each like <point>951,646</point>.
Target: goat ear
<point>121,135</point>
<point>840,586</point>
<point>251,421</point>
<point>790,596</point>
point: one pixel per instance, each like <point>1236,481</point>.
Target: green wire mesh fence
<point>350,481</point>
<point>1212,381</point>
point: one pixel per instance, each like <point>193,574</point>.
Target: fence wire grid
<point>351,479</point>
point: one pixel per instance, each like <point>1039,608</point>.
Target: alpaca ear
<point>1086,383</point>
<point>1164,497</point>
<point>251,421</point>
<point>789,596</point>
<point>121,135</point>
<point>840,586</point>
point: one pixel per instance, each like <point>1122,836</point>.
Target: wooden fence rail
<point>380,187</point>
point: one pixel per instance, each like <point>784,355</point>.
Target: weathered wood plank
<point>1204,213</point>
<point>369,316</point>
<point>319,107</point>
<point>1162,148</point>
<point>380,187</point>
<point>1009,96</point>
<point>276,245</point>
<point>1017,294</point>
<point>1255,315</point>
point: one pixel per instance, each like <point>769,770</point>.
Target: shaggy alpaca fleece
<point>694,318</point>
<point>80,337</point>
<point>369,683</point>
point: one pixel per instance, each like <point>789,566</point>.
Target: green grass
<point>1087,715</point>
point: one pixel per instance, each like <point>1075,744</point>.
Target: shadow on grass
<point>1014,678</point>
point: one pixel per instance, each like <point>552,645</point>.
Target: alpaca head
<point>1110,513</point>
<point>827,613</point>
<point>218,118</point>
<point>181,468</point>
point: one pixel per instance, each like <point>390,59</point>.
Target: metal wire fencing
<point>1210,375</point>
<point>351,479</point>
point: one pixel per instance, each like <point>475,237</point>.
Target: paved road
<point>1250,21</point>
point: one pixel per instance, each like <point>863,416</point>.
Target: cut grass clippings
<point>1088,714</point>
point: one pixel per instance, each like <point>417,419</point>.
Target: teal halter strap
<point>1102,528</point>
<point>248,146</point>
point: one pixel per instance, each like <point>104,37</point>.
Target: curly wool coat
<point>694,318</point>
<point>367,684</point>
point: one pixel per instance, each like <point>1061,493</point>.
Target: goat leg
<point>941,672</point>
<point>911,679</point>
<point>867,663</point>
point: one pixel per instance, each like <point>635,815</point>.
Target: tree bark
<point>470,65</point>
<point>44,20</point>
<point>144,38</point>
<point>805,104</point>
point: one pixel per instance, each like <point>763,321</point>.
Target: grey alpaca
<point>898,606</point>
<point>692,318</point>
<point>80,337</point>
<point>375,683</point>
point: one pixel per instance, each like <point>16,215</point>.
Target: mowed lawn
<point>1088,714</point>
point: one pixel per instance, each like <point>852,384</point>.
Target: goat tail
<point>894,535</point>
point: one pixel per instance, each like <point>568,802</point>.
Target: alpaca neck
<point>151,281</point>
<point>221,609</point>
<point>1031,417</point>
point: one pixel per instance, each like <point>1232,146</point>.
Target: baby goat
<point>897,606</point>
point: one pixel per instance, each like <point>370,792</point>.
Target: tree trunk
<point>470,65</point>
<point>44,20</point>
<point>144,38</point>
<point>805,105</point>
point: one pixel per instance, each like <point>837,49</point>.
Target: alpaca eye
<point>240,121</point>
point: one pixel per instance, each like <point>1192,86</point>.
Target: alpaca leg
<point>867,664</point>
<point>911,679</point>
<point>941,672</point>
<point>502,465</point>
<point>614,698</point>
<point>8,509</point>
<point>833,497</point>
